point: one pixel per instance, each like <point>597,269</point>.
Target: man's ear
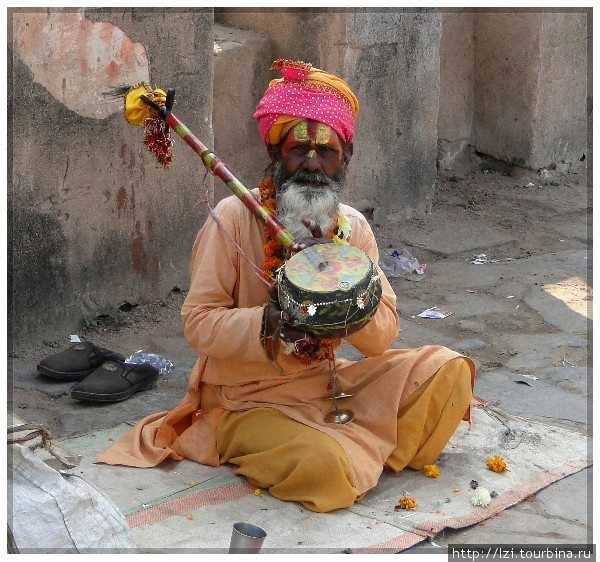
<point>348,151</point>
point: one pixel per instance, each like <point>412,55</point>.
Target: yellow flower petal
<point>406,502</point>
<point>339,240</point>
<point>344,226</point>
<point>431,471</point>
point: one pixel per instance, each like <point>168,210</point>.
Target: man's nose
<point>312,162</point>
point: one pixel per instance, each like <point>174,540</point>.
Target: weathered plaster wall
<point>559,128</point>
<point>531,86</point>
<point>507,59</point>
<point>241,66</point>
<point>390,57</point>
<point>455,113</point>
<point>294,33</point>
<point>74,57</point>
<point>95,221</point>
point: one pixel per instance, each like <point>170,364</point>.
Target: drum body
<point>330,290</point>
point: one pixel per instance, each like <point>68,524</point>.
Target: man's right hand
<point>316,235</point>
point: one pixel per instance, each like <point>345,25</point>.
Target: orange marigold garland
<point>274,250</point>
<point>275,256</point>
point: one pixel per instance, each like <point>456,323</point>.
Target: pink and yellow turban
<point>305,92</point>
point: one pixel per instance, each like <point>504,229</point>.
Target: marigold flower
<point>271,246</point>
<point>406,502</point>
<point>431,471</point>
<point>257,492</point>
<point>270,204</point>
<point>339,240</point>
<point>344,227</point>
<point>272,263</point>
<point>481,497</point>
<point>496,463</point>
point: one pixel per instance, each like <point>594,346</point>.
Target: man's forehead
<point>309,130</point>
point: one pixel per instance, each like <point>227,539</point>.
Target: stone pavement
<point>518,317</point>
<point>524,317</point>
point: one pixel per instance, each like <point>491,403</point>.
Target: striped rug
<point>184,507</point>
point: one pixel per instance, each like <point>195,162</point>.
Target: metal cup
<point>246,538</point>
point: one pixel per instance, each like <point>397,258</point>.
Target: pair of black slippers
<point>103,375</point>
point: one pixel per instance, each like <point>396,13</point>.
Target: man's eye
<point>300,149</point>
<point>327,151</point>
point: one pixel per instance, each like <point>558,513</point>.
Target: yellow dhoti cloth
<point>299,463</point>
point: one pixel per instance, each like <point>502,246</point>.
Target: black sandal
<point>77,362</point>
<point>114,381</point>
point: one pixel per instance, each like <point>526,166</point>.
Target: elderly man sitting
<point>259,393</point>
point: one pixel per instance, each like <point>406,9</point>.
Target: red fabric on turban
<point>305,92</point>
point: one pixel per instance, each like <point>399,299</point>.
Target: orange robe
<point>222,320</point>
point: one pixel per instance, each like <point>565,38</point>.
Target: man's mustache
<point>304,176</point>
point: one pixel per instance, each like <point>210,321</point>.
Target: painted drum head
<point>330,290</point>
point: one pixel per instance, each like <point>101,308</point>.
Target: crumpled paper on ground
<point>435,312</point>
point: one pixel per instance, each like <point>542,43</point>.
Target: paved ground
<point>523,317</point>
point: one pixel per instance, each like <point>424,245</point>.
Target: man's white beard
<point>298,201</point>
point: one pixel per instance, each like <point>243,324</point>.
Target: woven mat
<point>187,507</point>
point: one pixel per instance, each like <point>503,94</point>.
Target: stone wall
<point>531,83</point>
<point>241,72</point>
<point>513,86</point>
<point>95,222</point>
<point>391,59</point>
<point>294,33</point>
<point>559,129</point>
<point>456,107</point>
